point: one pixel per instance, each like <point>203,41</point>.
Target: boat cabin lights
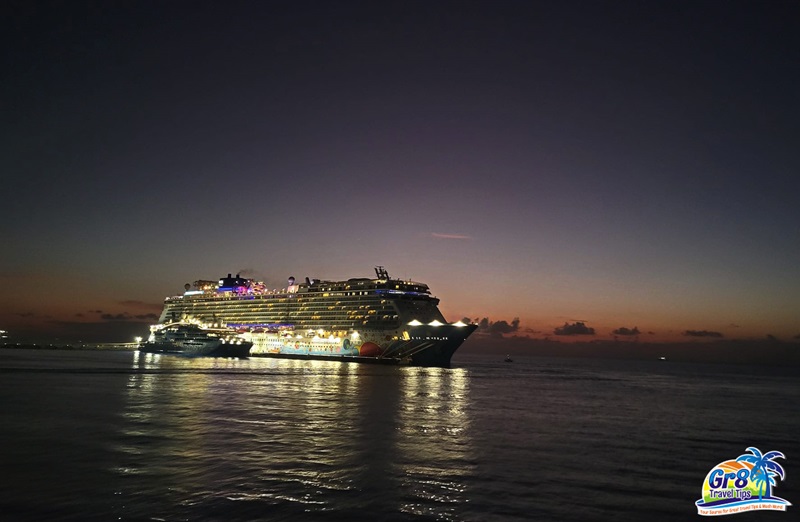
<point>435,323</point>
<point>414,323</point>
<point>459,323</point>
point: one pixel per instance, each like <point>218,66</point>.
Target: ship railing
<point>407,349</point>
<point>421,348</point>
<point>395,350</point>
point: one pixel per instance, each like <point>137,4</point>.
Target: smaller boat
<point>193,340</point>
<point>509,359</point>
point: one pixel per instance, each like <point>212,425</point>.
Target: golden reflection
<point>434,444</point>
<point>162,416</point>
<point>291,430</point>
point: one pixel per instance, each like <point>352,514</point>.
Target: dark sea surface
<point>88,435</point>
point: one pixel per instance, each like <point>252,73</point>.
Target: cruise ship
<point>377,319</point>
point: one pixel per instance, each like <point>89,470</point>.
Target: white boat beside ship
<point>195,340</point>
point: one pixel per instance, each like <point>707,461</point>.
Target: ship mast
<point>381,273</point>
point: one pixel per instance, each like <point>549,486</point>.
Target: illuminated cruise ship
<point>361,319</point>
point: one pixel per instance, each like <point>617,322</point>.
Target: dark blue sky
<point>619,163</point>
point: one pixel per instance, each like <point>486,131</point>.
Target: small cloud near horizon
<point>127,317</point>
<point>449,236</point>
<point>576,328</point>
<point>134,303</point>
<point>626,331</point>
<point>496,328</point>
<point>702,333</point>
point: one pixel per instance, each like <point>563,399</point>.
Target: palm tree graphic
<point>763,469</point>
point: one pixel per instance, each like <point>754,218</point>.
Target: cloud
<point>576,328</point>
<point>449,236</point>
<point>502,327</point>
<point>626,331</point>
<point>26,314</point>
<point>133,303</point>
<point>701,333</point>
<point>113,317</point>
<point>127,317</point>
<point>497,328</point>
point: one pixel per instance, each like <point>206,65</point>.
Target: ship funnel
<point>291,280</point>
<point>308,281</point>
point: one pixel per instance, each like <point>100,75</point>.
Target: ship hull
<point>219,350</point>
<point>333,358</point>
<point>422,345</point>
<point>447,340</point>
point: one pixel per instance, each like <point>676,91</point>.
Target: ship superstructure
<point>383,319</point>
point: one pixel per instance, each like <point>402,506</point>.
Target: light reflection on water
<point>295,436</point>
<point>436,470</point>
<point>88,436</point>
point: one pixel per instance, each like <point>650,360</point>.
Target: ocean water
<point>88,435</point>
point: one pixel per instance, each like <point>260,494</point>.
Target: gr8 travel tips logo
<point>744,484</point>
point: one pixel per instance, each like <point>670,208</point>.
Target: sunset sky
<point>619,164</point>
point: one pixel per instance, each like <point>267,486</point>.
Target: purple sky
<point>615,163</point>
